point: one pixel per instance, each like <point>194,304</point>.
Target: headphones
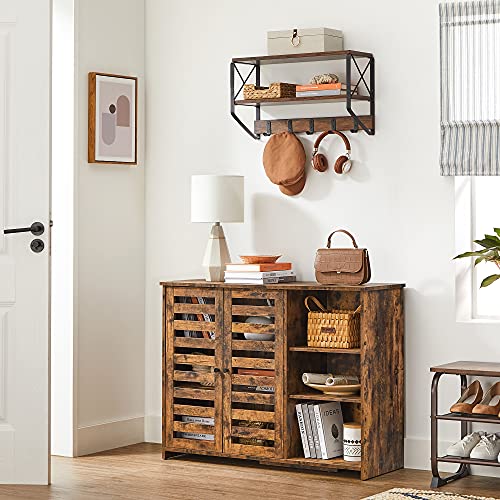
<point>319,161</point>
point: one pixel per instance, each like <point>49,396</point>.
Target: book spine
<point>194,435</point>
<point>197,420</point>
<point>309,434</point>
<point>265,281</point>
<point>257,275</point>
<point>314,430</point>
<point>302,429</point>
<point>317,93</point>
<point>321,431</point>
<point>253,388</point>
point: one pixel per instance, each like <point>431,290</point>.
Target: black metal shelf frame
<point>464,463</point>
<point>351,62</point>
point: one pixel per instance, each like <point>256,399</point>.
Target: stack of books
<point>254,372</point>
<point>196,435</point>
<point>321,428</point>
<point>260,274</point>
<point>325,89</point>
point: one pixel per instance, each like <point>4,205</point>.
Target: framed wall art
<point>112,134</point>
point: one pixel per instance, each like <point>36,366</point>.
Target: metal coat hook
<point>311,127</point>
<point>269,128</point>
<point>334,124</point>
<point>290,126</point>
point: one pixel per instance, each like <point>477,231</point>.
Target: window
<point>477,213</point>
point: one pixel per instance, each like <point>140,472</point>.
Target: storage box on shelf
<point>262,426</point>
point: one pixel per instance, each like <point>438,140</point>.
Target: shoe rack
<point>462,369</point>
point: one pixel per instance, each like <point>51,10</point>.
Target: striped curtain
<point>470,87</point>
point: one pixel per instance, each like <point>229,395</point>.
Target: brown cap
<point>294,189</point>
<point>284,162</point>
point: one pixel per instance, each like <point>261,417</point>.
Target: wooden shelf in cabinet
<point>326,397</point>
<point>326,350</point>
<point>301,462</point>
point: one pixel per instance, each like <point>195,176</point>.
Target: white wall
<point>394,201</point>
<point>110,243</point>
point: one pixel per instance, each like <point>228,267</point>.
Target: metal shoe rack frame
<point>463,369</point>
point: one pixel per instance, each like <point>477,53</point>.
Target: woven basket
<point>337,329</point>
<point>274,91</point>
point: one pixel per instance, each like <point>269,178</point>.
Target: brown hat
<point>284,162</point>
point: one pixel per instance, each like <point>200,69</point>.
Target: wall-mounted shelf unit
<point>359,76</point>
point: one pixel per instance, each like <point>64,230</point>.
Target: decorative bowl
<point>259,320</point>
<point>337,390</point>
<point>259,259</point>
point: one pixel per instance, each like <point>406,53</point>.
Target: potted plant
<point>489,253</point>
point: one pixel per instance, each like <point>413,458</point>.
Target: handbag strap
<point>320,306</point>
<point>341,231</point>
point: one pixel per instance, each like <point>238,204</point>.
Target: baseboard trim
<point>152,429</point>
<point>109,435</point>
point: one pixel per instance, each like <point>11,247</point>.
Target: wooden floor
<point>137,472</point>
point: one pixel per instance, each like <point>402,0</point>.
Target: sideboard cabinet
<point>210,364</point>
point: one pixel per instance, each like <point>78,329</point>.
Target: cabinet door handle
<point>216,370</point>
<point>226,370</point>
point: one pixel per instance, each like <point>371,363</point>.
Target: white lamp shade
<point>217,198</point>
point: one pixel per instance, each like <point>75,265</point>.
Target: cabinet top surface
<point>298,285</point>
<point>478,368</point>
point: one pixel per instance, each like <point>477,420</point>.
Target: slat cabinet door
<point>193,365</point>
<point>253,366</point>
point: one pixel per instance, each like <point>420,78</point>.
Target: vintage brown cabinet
<point>263,426</point>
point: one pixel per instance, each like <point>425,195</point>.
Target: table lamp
<point>216,199</point>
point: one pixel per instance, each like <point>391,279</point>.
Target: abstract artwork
<point>112,119</point>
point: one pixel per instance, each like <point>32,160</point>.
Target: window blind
<point>470,92</point>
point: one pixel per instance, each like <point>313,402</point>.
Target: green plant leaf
<point>497,230</point>
<point>472,254</point>
<point>487,243</point>
<point>489,280</point>
<point>492,237</point>
<point>479,260</point>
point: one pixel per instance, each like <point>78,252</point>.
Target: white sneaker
<point>464,447</point>
<point>488,448</point>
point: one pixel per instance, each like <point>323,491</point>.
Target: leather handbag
<point>342,266</point>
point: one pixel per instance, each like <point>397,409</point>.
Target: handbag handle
<point>320,306</point>
<point>341,231</point>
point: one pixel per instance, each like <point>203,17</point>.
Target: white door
<point>25,33</point>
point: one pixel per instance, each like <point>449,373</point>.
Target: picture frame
<point>112,119</point>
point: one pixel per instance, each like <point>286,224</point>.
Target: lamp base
<point>216,254</point>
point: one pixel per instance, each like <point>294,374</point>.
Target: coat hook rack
<point>357,77</point>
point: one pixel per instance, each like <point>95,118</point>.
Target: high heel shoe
<point>490,404</point>
<point>469,399</point>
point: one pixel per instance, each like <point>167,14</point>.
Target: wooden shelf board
<point>319,396</point>
<point>476,368</point>
<point>308,57</point>
<point>462,417</point>
<point>471,461</point>
<point>294,100</point>
<point>324,350</point>
<point>332,463</point>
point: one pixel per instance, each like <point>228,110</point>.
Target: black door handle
<point>37,229</point>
